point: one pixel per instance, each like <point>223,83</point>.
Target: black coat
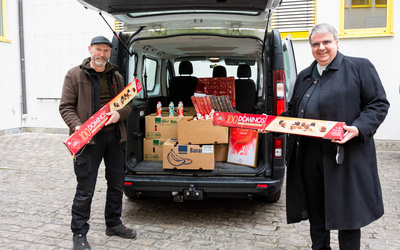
<point>352,93</point>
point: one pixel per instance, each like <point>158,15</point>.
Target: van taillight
<point>279,92</point>
<point>278,144</point>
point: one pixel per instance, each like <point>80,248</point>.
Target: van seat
<point>245,90</point>
<point>182,87</point>
<point>219,71</point>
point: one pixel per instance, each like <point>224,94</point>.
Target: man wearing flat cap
<point>86,89</point>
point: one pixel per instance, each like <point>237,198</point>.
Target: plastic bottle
<point>171,109</point>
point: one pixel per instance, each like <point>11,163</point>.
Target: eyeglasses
<point>318,44</point>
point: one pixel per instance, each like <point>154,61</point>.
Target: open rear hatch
<point>186,14</point>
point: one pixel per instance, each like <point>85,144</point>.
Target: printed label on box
<point>152,149</point>
<point>208,149</point>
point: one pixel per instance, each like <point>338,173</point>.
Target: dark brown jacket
<point>76,105</point>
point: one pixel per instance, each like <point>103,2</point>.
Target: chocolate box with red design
<point>94,124</point>
<point>243,147</point>
<point>281,124</point>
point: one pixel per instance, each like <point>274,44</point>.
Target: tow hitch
<point>188,194</point>
<point>192,193</point>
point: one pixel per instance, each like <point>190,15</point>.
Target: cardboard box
<point>93,125</point>
<point>162,127</point>
<point>243,144</point>
<point>281,124</point>
<point>153,149</point>
<point>178,156</point>
<point>221,151</point>
<point>201,132</point>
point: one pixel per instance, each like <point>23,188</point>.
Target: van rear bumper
<point>210,186</point>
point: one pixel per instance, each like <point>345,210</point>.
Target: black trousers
<point>86,166</point>
<point>313,175</point>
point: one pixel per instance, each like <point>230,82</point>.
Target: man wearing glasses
<point>335,184</point>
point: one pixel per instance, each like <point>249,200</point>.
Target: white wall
<point>57,35</point>
<point>383,52</point>
<point>10,83</point>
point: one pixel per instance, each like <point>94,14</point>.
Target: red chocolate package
<point>281,124</point>
<point>93,125</point>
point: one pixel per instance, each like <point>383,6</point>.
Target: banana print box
<point>162,127</point>
<point>177,156</point>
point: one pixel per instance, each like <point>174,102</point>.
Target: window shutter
<point>296,17</point>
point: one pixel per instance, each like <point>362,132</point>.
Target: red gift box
<point>281,124</point>
<point>93,125</point>
<point>218,86</point>
<point>243,147</point>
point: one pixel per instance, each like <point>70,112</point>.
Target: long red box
<point>93,125</point>
<point>281,124</point>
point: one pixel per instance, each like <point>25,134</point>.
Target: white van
<point>168,46</point>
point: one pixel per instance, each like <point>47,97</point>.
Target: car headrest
<point>243,71</point>
<point>219,71</point>
<point>185,67</point>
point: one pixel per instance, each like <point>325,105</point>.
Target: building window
<point>380,3</point>
<point>366,18</point>
<point>360,3</point>
<point>296,17</point>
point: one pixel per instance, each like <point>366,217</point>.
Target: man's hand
<point>351,131</point>
<point>114,117</point>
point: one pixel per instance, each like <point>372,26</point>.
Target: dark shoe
<point>80,242</point>
<point>122,231</point>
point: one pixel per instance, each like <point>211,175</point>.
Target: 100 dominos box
<point>93,125</point>
<point>281,124</point>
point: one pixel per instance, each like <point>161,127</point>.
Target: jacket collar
<point>334,65</point>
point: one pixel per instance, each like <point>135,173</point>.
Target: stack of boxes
<point>184,143</point>
<point>158,131</point>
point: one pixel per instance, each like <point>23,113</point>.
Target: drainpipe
<point>22,58</point>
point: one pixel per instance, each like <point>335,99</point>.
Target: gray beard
<point>100,64</point>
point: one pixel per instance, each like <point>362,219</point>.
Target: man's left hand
<point>114,117</point>
<point>351,131</point>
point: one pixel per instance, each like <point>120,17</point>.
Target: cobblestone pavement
<point>37,185</point>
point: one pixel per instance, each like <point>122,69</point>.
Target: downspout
<point>22,59</point>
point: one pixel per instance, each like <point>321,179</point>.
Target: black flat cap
<point>100,40</point>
